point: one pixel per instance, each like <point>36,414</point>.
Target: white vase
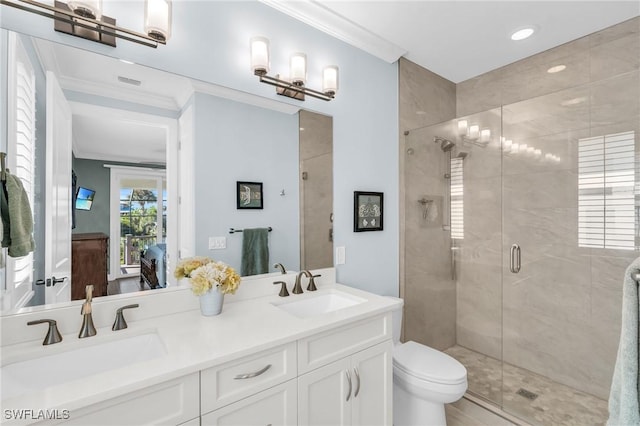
<point>211,302</point>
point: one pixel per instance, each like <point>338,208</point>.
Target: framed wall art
<point>249,195</point>
<point>368,211</point>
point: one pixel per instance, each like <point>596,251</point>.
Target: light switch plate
<point>340,255</point>
<point>217,243</point>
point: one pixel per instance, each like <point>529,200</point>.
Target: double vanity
<point>322,357</point>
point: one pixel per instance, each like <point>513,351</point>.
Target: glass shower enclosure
<point>519,223</point>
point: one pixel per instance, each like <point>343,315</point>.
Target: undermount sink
<point>85,360</point>
<point>314,305</point>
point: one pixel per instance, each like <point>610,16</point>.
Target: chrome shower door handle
<point>515,259</point>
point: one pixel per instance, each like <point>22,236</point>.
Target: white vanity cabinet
<point>356,388</point>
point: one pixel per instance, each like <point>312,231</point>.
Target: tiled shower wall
<point>425,281</point>
<point>560,316</point>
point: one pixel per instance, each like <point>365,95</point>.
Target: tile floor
<point>556,404</point>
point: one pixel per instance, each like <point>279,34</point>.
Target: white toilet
<point>424,379</point>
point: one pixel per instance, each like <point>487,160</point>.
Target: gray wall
<point>238,142</point>
<point>93,175</point>
<point>210,43</point>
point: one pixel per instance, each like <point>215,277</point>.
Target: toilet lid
<point>428,364</point>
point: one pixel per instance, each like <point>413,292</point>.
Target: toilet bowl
<point>424,379</point>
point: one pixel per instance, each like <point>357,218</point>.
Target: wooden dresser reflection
<point>89,264</point>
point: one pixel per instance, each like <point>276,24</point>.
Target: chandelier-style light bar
<point>84,18</point>
<point>294,87</point>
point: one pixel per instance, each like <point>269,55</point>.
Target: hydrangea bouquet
<point>205,273</point>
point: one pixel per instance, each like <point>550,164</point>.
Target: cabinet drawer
<point>168,403</point>
<point>323,348</point>
<point>224,384</point>
<point>275,406</point>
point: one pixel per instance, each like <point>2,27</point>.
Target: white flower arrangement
<point>205,273</point>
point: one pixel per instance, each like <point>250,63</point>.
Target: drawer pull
<point>355,370</point>
<point>252,375</point>
<point>350,386</point>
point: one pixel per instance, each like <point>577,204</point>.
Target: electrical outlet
<point>340,255</point>
<point>217,243</point>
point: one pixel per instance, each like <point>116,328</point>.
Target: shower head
<point>462,154</point>
<point>445,144</point>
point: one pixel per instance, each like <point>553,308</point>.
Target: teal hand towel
<point>255,251</point>
<point>17,219</point>
<point>624,399</point>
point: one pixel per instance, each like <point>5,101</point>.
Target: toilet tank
<point>396,317</point>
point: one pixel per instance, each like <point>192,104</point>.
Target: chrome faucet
<point>280,266</point>
<point>53,335</point>
<point>297,288</point>
<point>87,329</point>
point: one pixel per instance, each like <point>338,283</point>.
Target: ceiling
<point>457,40</point>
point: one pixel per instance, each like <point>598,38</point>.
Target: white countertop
<point>193,342</point>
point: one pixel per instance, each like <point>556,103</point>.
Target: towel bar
<point>233,230</point>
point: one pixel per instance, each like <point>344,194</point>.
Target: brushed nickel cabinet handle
<point>355,371</point>
<point>252,375</point>
<point>350,386</point>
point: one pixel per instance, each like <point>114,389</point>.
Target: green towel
<point>624,399</point>
<point>17,219</point>
<point>255,251</point>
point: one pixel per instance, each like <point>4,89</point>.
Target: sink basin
<point>319,304</point>
<point>85,360</point>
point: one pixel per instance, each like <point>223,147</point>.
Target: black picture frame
<point>368,211</point>
<point>249,195</point>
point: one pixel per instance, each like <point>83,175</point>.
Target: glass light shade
<point>157,19</point>
<point>474,131</point>
<point>298,68</point>
<point>87,8</point>
<point>462,127</point>
<point>259,55</point>
<point>330,79</point>
<point>485,135</point>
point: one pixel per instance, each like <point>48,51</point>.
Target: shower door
<point>570,214</point>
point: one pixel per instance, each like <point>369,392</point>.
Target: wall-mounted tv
<point>84,198</point>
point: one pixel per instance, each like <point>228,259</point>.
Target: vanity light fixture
<point>294,87</point>
<point>84,18</point>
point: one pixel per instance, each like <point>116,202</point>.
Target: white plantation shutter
<point>21,160</point>
<point>457,198</point>
<point>606,191</point>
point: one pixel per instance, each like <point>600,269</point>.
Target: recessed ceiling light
<point>124,61</point>
<point>522,33</point>
<point>556,69</point>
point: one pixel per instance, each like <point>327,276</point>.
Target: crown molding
<point>318,16</point>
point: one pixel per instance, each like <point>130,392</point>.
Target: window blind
<point>606,191</point>
<point>457,198</point>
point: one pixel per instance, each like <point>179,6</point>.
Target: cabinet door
<point>373,385</point>
<point>322,395</point>
<point>275,407</point>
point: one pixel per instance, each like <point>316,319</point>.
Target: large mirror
<point>142,150</point>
